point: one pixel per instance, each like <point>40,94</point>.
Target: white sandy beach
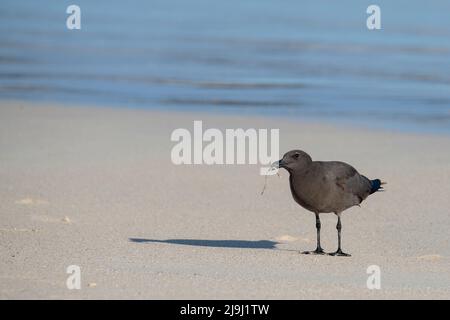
<point>95,187</point>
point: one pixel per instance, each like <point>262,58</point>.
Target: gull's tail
<point>376,185</point>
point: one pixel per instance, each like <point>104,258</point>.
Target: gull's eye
<point>296,155</point>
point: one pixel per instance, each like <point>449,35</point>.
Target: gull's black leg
<point>319,249</point>
<point>339,251</point>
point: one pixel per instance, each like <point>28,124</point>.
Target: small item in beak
<point>273,166</point>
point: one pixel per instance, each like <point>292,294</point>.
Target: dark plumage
<point>324,187</point>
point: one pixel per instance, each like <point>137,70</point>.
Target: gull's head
<point>293,160</point>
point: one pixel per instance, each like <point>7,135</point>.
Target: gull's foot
<point>339,253</point>
<point>317,251</point>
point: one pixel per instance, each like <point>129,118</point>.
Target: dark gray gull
<point>326,187</point>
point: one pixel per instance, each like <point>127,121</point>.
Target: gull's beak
<point>277,164</point>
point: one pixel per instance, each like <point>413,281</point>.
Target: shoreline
<point>335,121</point>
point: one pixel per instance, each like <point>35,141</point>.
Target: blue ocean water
<point>311,59</point>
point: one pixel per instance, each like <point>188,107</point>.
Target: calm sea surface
<point>307,59</point>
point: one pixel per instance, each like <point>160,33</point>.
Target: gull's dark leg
<point>339,251</point>
<point>319,249</point>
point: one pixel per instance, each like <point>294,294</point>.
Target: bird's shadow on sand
<point>243,244</point>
